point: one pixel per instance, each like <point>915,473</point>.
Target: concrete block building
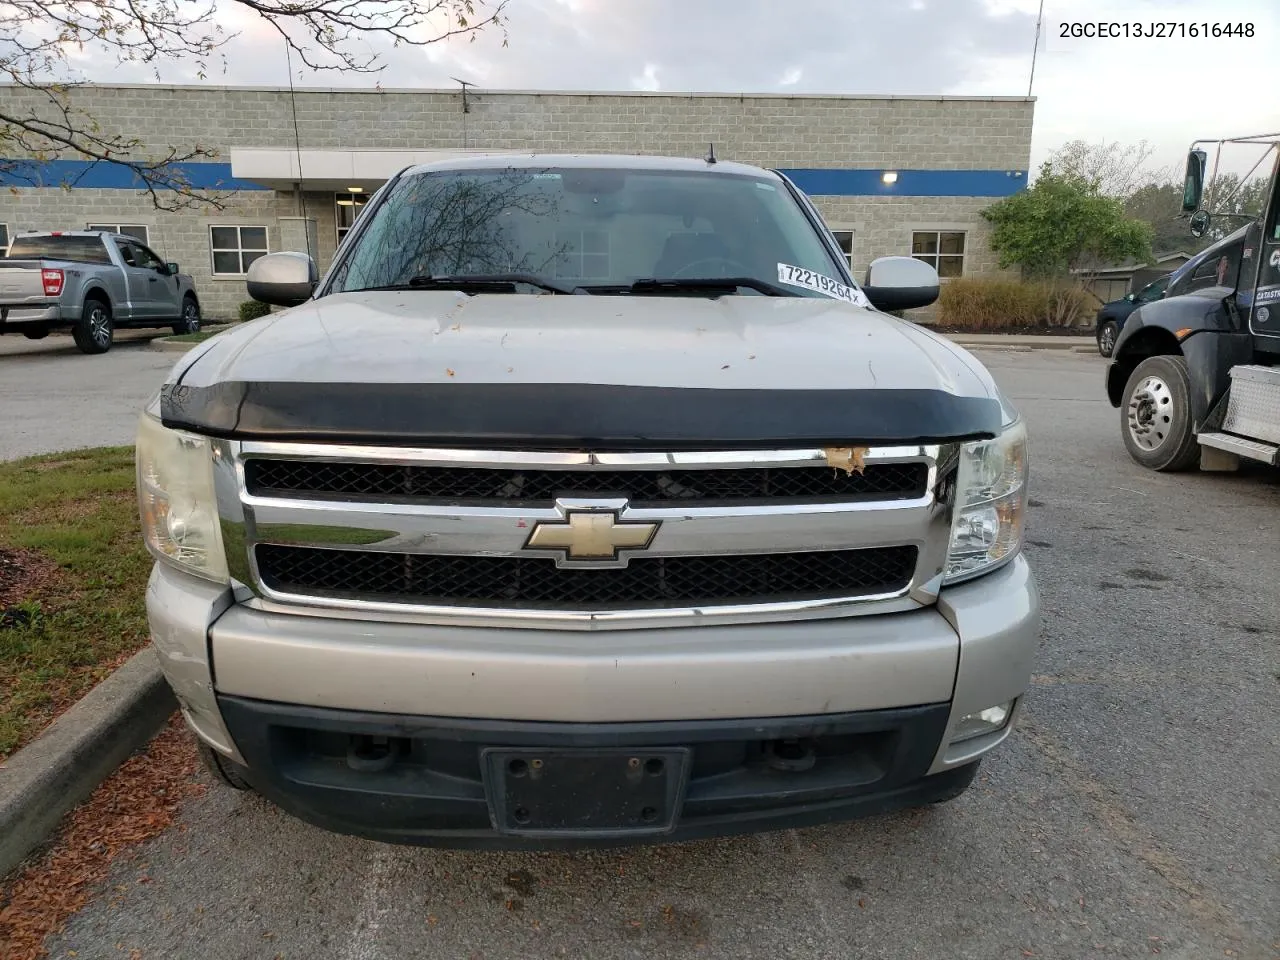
<point>891,175</point>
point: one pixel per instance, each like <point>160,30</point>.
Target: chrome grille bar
<point>478,529</point>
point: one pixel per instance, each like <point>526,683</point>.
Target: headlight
<point>990,504</point>
<point>177,501</point>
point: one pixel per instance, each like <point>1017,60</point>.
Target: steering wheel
<point>728,268</point>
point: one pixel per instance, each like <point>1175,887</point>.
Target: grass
<point>193,337</point>
<point>202,335</point>
<point>77,511</point>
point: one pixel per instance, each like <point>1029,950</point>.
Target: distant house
<point>1112,283</point>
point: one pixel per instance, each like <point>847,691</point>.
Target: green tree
<point>1233,203</point>
<point>1064,224</point>
<point>1159,206</point>
<point>41,41</point>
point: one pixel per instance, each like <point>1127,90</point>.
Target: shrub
<point>252,310</point>
<point>976,303</point>
<point>1067,306</point>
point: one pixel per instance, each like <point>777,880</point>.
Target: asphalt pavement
<point>1133,814</point>
<point>54,398</point>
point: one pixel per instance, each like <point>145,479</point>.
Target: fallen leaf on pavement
<point>136,803</point>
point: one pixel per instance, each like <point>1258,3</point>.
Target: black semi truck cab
<point>1196,375</point>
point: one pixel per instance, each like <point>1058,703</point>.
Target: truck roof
<point>611,161</point>
<point>62,233</point>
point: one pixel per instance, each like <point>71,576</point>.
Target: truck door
<point>137,281</point>
<point>1264,319</point>
<point>165,301</point>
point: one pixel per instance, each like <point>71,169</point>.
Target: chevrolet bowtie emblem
<point>591,535</point>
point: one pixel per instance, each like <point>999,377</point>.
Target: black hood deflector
<point>574,415</point>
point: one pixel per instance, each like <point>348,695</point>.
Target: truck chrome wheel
<point>99,325</point>
<point>190,322</point>
<point>1151,413</point>
<point>94,331</point>
<point>1107,339</point>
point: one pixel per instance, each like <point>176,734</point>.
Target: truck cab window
<point>126,254</point>
<point>145,258</point>
<point>1273,219</point>
<point>1220,268</point>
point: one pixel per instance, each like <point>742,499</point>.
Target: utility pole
<point>1035,47</point>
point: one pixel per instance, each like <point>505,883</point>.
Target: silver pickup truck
<point>93,282</point>
<point>588,500</point>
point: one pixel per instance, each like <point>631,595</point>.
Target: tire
<point>1155,415</point>
<point>94,332</point>
<point>1107,334</point>
<point>190,322</point>
<point>221,769</point>
<point>37,334</point>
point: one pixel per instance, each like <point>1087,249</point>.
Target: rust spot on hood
<point>848,459</point>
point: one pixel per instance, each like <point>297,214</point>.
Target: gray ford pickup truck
<point>588,500</point>
<point>93,282</point>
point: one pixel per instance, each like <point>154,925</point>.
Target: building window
<point>4,239</point>
<point>943,250</point>
<point>234,248</point>
<point>348,207</point>
<point>135,230</point>
<point>844,238</point>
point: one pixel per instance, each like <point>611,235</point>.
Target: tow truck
<point>1196,375</point>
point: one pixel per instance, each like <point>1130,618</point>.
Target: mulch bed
<point>137,803</point>
<point>23,574</point>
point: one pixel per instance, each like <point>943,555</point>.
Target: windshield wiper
<point>696,285</point>
<point>477,283</point>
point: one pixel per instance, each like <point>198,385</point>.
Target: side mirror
<point>282,279</point>
<point>1193,185</point>
<point>172,268</point>
<point>1200,223</point>
<point>900,283</point>
<point>1131,297</point>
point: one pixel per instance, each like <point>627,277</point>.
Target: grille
<point>367,481</point>
<point>647,582</point>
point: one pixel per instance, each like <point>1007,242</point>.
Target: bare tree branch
<point>1114,169</point>
<point>38,40</point>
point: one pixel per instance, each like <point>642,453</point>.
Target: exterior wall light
<point>889,176</point>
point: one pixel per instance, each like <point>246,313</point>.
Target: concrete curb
<point>169,345</point>
<point>79,750</point>
<point>996,341</point>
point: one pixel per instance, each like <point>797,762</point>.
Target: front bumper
<point>894,683</point>
<point>438,791</point>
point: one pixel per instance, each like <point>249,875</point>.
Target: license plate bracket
<point>585,792</point>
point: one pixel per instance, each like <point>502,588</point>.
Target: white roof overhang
<point>335,170</point>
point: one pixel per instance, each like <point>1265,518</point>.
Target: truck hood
<point>444,368</point>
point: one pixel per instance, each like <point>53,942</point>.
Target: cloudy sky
<point>1164,91</point>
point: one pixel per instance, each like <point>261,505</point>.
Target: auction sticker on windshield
<point>800,277</point>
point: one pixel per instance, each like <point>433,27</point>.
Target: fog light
<point>981,723</point>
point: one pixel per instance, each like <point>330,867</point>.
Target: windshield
<point>599,229</point>
<point>49,247</point>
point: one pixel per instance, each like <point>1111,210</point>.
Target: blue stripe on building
<point>104,175</point>
<point>817,182</point>
<point>823,182</point>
